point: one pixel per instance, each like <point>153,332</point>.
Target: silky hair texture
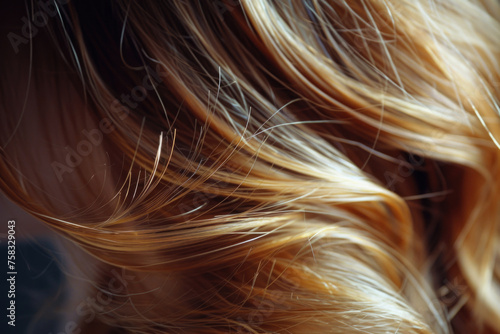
<point>265,166</point>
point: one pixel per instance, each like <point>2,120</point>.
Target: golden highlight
<point>266,166</point>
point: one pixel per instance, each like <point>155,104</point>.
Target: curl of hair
<point>268,166</point>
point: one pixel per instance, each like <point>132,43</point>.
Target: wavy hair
<point>265,166</point>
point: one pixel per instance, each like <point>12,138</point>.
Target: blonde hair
<point>268,166</point>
